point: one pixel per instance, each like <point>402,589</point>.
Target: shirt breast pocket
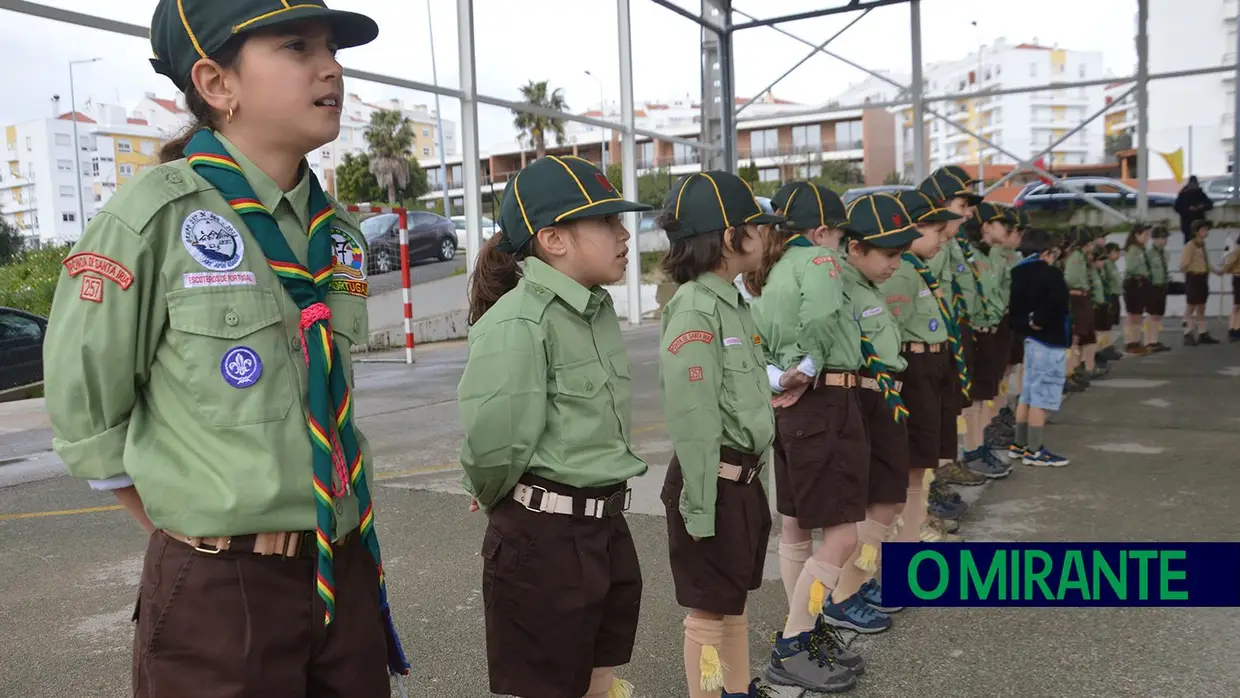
<point>580,405</point>
<point>744,387</point>
<point>350,327</point>
<point>232,353</point>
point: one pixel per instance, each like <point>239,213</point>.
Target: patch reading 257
<point>1061,574</point>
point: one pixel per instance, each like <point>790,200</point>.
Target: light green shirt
<point>869,306</point>
<point>914,307</point>
<point>1136,262</point>
<point>136,376</point>
<point>1097,285</point>
<point>990,312</point>
<point>1076,271</point>
<point>1157,257</point>
<point>802,311</point>
<point>546,390</point>
<point>999,260</point>
<point>963,276</point>
<point>715,390</point>
<point>1112,280</point>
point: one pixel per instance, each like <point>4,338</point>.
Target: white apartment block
<point>1022,124</point>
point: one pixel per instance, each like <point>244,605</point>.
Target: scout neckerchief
<point>970,256</point>
<point>953,331</point>
<point>331,405</point>
<point>885,383</point>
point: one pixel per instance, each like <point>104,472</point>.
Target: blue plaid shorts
<point>1045,373</point>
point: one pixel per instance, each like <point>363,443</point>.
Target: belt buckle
<point>208,551</point>
<point>531,506</point>
<point>752,473</point>
<point>618,502</point>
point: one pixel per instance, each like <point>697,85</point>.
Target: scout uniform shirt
<point>803,312</point>
<point>546,390</point>
<point>1157,257</point>
<point>1076,271</point>
<point>715,390</point>
<point>1114,284</point>
<point>174,355</point>
<point>992,309</point>
<point>914,307</point>
<point>964,278</point>
<point>999,260</point>
<point>869,306</point>
<point>1097,285</point>
<point>1136,263</point>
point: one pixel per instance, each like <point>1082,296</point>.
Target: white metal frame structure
<point>719,111</point>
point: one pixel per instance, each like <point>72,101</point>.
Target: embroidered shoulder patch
<point>691,336</point>
<point>695,373</point>
<point>924,292</point>
<point>361,289</point>
<point>757,339</point>
<point>731,341</point>
<point>92,289</point>
<point>897,298</point>
<point>103,266</point>
<point>871,312</point>
<point>822,260</point>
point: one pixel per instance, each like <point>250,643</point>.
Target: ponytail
<point>495,273</point>
<point>773,247</point>
<point>201,113</point>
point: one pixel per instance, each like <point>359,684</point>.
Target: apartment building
<point>1022,123</point>
<point>124,146</point>
<point>1119,124</point>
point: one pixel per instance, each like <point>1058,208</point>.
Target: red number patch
<point>695,373</point>
<point>92,289</point>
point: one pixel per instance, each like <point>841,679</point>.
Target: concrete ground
<point>1154,458</point>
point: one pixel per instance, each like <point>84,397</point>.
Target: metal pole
<point>919,106</point>
<point>443,155</point>
<point>727,92</point>
<point>628,159</point>
<point>77,151</point>
<point>1143,102</point>
<point>977,105</point>
<point>470,170</point>
<point>602,110</point>
<point>1235,137</point>
<point>1189,162</point>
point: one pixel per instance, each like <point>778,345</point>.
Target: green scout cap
<point>708,202</point>
<point>808,206</point>
<point>1022,217</point>
<point>922,209</point>
<point>185,31</point>
<point>947,183</point>
<point>556,190</point>
<point>987,212</point>
<point>1160,232</point>
<point>882,221</point>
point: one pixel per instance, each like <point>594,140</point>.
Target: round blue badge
<point>960,268</point>
<point>241,367</point>
<point>934,324</point>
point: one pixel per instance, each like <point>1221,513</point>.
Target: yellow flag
<point>1175,160</point>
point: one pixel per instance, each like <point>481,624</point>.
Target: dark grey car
<point>21,348</point>
<point>431,236</point>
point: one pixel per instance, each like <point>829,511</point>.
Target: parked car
<point>21,349</point>
<point>431,236</point>
<point>858,192</point>
<point>1219,189</point>
<point>1070,193</point>
<point>489,227</point>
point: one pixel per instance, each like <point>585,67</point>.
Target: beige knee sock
<point>604,684</point>
<point>704,670</point>
<point>863,562</point>
<point>792,557</point>
<point>914,515</point>
<point>813,589</point>
<point>735,653</point>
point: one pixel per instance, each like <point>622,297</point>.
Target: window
<point>1033,70</point>
<point>64,165</point>
<point>763,143</point>
<point>771,174</point>
<point>125,169</point>
<point>645,154</point>
<point>19,329</point>
<point>455,174</point>
<point>426,133</point>
<point>124,147</point>
<point>61,139</point>
<point>426,150</point>
<point>68,217</point>
<point>29,144</point>
<point>684,154</point>
<point>1081,70</point>
<point>807,138</point>
<point>66,191</point>
<point>848,135</point>
<point>148,148</point>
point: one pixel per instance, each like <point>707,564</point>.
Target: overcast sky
<point>557,40</point>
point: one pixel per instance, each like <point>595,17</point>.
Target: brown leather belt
<point>985,330</point>
<point>1078,293</point>
<point>872,384</point>
<point>835,379</point>
<point>922,348</point>
<point>294,544</point>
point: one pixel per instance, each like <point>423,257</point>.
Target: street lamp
<point>602,107</point>
<point>443,154</point>
<point>977,87</point>
<point>77,147</point>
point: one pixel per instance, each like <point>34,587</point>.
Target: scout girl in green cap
<point>821,451</point>
<point>1137,287</point>
<point>1195,265</point>
<point>547,454</point>
<point>1113,286</point>
<point>199,368</point>
<point>1076,273</point>
<point>1160,279</point>
<point>718,410</point>
<point>879,232</point>
<point>930,349</point>
<point>1000,258</point>
<point>1098,295</point>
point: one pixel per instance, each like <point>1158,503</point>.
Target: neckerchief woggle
<point>953,330</point>
<point>337,456</point>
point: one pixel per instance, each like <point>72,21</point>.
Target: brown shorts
<point>822,459</point>
<point>1003,345</point>
<point>1235,290</point>
<point>988,366</point>
<point>1196,288</point>
<point>1016,353</point>
<point>716,574</point>
<point>562,596</point>
<point>1136,295</point>
<point>888,449</point>
<point>205,619</point>
<point>929,382</point>
<point>1157,303</point>
<point>1082,308</point>
<point>1102,317</point>
<point>1113,308</point>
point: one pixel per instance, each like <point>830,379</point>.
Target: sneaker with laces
<point>930,533</point>
<point>997,461</point>
<point>946,510</point>
<point>944,525</point>
<point>1017,452</point>
<point>831,643</point>
<point>1044,458</point>
<point>856,615</point>
<point>800,660</point>
<point>754,691</point>
<point>1204,338</point>
<point>872,593</point>
<point>977,462</point>
<point>955,474</point>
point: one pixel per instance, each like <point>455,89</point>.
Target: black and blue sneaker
<point>946,510</point>
<point>978,462</point>
<point>802,660</point>
<point>856,615</point>
<point>872,593</point>
<point>1044,458</point>
<point>1017,452</point>
<point>754,691</point>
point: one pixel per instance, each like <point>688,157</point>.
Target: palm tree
<point>533,128</point>
<point>390,137</point>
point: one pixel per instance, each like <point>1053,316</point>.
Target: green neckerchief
<point>953,330</point>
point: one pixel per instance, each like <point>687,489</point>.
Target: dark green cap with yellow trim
<point>708,202</point>
<point>923,210</point>
<point>946,183</point>
<point>556,189</point>
<point>808,206</point>
<point>185,31</point>
<point>987,212</point>
<point>881,220</point>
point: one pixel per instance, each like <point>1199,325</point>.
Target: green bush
<point>29,282</point>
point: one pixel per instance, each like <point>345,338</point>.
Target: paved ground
<point>1154,458</point>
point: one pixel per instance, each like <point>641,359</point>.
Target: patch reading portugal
<point>690,336</point>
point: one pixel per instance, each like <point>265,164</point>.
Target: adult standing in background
<point>1192,204</point>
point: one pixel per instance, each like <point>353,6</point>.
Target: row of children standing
<point>874,329</point>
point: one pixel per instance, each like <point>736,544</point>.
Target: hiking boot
<point>1098,374</point>
<point>933,531</point>
<point>754,691</point>
<point>998,437</point>
<point>1190,340</point>
<point>801,661</point>
<point>1159,347</point>
<point>1007,416</point>
<point>1139,350</point>
<point>955,474</point>
<point>946,509</point>
<point>990,468</point>
<point>1233,335</point>
<point>872,593</point>
<point>1043,458</point>
<point>831,644</point>
<point>1111,354</point>
<point>1205,338</point>
<point>856,615</point>
<point>941,491</point>
<point>1073,386</point>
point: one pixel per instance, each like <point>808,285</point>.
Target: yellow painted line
<point>59,512</point>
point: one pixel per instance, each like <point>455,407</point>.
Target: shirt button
<point>800,433</point>
<point>296,343</point>
<point>745,364</point>
<point>339,508</point>
<point>231,319</point>
<point>589,385</point>
<point>357,325</point>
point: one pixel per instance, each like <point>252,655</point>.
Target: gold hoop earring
<point>230,114</point>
